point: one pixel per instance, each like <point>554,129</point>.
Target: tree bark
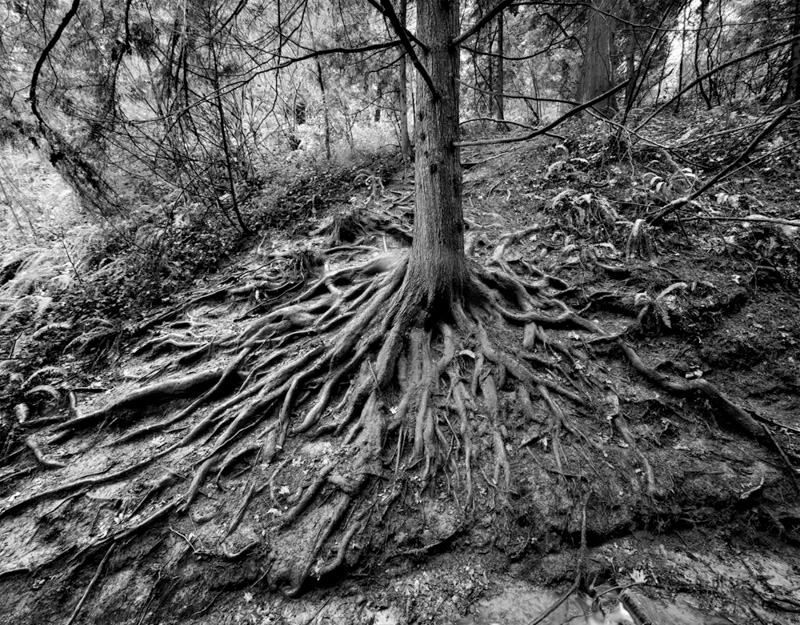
<point>701,10</point>
<point>597,72</point>
<point>437,271</point>
<point>630,64</point>
<point>680,66</point>
<point>405,144</point>
<point>499,78</point>
<point>321,83</point>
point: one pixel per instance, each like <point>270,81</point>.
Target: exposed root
<point>155,393</point>
<point>92,584</point>
<point>360,364</point>
<point>622,427</point>
<point>739,418</point>
<point>46,462</point>
<point>355,389</point>
<point>737,415</point>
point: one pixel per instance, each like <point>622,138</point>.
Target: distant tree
<point>597,74</point>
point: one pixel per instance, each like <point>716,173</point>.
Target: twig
<point>71,262</point>
<point>485,19</point>
<point>511,123</point>
<point>73,9</point>
<point>92,583</point>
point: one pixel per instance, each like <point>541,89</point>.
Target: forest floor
<point>661,507</point>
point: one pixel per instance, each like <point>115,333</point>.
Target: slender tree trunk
<point>405,144</point>
<point>680,65</point>
<point>793,80</point>
<point>697,44</point>
<point>321,83</point>
<point>437,270</point>
<point>630,64</point>
<point>597,72</point>
<point>499,78</point>
<point>226,150</point>
<point>536,108</point>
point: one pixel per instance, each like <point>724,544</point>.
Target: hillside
<point>187,456</point>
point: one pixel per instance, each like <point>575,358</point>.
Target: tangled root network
<point>287,444</point>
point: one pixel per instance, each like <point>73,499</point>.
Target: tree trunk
<point>680,66</point>
<point>793,80</point>
<point>321,83</point>
<point>437,269</point>
<point>597,73</point>
<point>697,45</point>
<point>405,144</point>
<point>630,64</point>
<point>499,78</point>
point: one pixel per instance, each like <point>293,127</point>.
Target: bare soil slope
<point>646,468</point>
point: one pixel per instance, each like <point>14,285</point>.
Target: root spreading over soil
<point>356,420</point>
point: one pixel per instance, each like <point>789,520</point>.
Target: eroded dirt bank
<point>656,468</point>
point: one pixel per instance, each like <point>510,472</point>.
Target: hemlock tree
<point>597,71</point>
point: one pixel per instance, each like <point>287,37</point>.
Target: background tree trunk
<point>630,63</point>
<point>405,144</point>
<point>499,78</point>
<point>698,42</point>
<point>597,72</point>
<point>321,82</point>
<point>683,55</point>
<point>437,267</point>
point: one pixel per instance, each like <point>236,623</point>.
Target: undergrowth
<point>148,260</point>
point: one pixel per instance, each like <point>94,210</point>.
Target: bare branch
<point>548,127</point>
<point>509,123</point>
<point>502,5</point>
<point>719,68</point>
<point>681,202</point>
<point>73,9</point>
<point>400,31</point>
<point>408,33</point>
<point>514,96</point>
<point>232,86</point>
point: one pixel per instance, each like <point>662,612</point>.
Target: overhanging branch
<point>545,129</point>
<point>37,70</point>
<point>407,32</point>
<point>502,5</point>
<point>400,31</point>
